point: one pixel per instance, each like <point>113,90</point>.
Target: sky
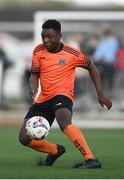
<point>99,2</point>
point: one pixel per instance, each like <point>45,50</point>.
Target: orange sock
<point>43,146</point>
<point>76,137</point>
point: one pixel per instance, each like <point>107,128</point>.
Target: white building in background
<point>83,21</point>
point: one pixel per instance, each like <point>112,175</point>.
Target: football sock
<point>43,146</point>
<point>77,137</point>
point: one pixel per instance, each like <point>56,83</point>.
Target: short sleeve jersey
<point>57,70</point>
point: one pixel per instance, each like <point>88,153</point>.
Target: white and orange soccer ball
<point>37,127</point>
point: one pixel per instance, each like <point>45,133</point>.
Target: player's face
<point>51,39</point>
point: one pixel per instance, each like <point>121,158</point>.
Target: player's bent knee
<point>63,126</point>
<point>21,140</point>
<point>24,140</point>
<point>23,137</point>
<point>63,117</point>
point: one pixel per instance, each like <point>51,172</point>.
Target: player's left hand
<point>104,101</point>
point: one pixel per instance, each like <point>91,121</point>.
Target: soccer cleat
<point>88,164</point>
<point>50,159</point>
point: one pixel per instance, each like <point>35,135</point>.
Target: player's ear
<point>60,35</point>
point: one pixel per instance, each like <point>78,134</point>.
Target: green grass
<point>19,162</point>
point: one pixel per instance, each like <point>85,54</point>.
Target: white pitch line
<point>96,124</point>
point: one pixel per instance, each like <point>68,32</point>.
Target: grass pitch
<point>19,162</point>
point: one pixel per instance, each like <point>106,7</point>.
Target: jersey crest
<point>62,61</point>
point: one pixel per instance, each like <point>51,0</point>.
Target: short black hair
<point>53,24</point>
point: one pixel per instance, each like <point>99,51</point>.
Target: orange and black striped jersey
<point>57,70</point>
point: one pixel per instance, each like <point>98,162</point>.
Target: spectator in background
<point>4,65</point>
<point>91,45</point>
<point>27,47</point>
<point>104,56</point>
<point>119,60</point>
<point>119,67</point>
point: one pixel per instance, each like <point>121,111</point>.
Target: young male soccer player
<point>54,65</point>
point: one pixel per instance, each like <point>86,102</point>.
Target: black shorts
<point>47,109</point>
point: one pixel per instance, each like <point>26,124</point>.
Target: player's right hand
<point>34,94</point>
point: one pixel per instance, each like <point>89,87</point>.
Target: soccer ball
<point>37,127</point>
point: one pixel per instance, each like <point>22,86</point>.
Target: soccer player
<point>53,64</point>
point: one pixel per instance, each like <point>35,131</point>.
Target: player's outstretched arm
<point>35,84</point>
<point>94,74</point>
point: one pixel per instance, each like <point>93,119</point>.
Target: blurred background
<point>94,26</point>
